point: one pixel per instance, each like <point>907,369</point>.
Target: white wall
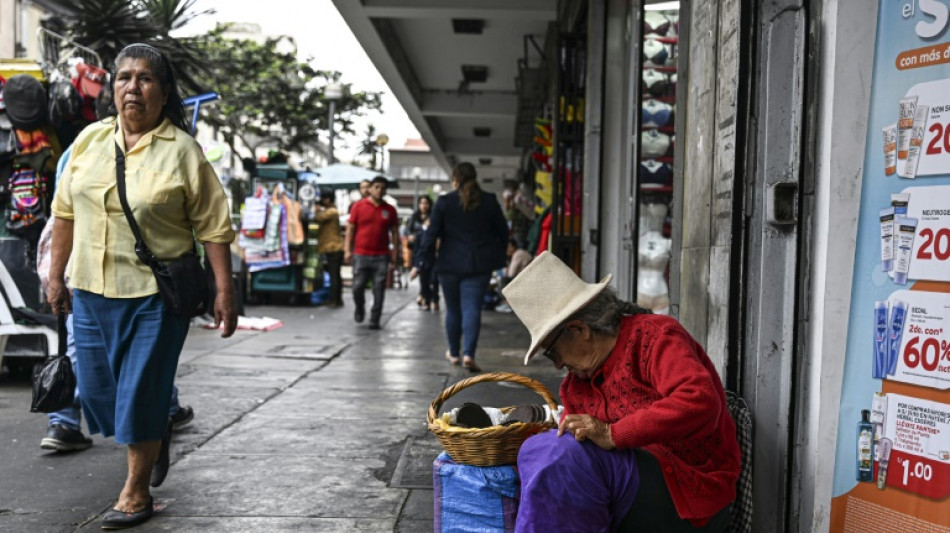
<point>847,50</point>
<point>8,24</point>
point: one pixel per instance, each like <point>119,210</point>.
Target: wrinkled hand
<point>586,427</point>
<point>57,294</point>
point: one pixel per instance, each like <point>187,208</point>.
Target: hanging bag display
<point>182,283</point>
<point>54,386</point>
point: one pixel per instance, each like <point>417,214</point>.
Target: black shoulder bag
<point>54,386</point>
<point>182,282</point>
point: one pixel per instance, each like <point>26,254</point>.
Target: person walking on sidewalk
<point>127,341</point>
<point>372,237</point>
<point>330,244</point>
<point>472,233</point>
<point>64,430</point>
<point>416,229</point>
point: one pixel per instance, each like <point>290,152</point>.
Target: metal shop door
<point>775,191</point>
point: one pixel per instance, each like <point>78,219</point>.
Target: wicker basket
<point>495,445</point>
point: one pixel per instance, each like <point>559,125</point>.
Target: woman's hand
<point>57,294</point>
<point>586,427</point>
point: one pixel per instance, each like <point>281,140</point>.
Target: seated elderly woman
<point>654,447</point>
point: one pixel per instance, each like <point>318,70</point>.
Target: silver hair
<point>603,314</point>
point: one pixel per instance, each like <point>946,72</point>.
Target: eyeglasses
<point>549,351</point>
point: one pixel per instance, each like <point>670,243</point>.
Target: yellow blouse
<point>171,189</point>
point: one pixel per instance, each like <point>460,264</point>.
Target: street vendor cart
<point>278,238</point>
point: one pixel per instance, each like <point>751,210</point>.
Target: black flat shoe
<point>160,470</point>
<point>115,519</point>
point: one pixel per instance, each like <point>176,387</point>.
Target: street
<point>316,426</point>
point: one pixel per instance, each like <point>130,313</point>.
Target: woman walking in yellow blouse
<point>127,342</point>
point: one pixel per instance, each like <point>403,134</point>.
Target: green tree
<point>268,95</point>
<point>108,26</point>
<point>368,146</point>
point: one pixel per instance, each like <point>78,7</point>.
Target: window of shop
<point>654,163</point>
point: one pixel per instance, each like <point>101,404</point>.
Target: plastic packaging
<point>890,149</point>
<point>474,498</point>
<point>887,239</point>
<point>886,446</point>
<point>896,330</point>
<point>916,142</point>
<point>878,410</point>
<point>905,123</point>
<point>879,366</point>
<point>906,229</point>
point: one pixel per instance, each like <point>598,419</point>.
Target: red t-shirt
<point>373,225</point>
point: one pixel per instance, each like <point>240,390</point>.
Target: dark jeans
<point>365,268</point>
<point>429,286</point>
<point>463,310</point>
<point>333,264</point>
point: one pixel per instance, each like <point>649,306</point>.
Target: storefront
<point>716,157</point>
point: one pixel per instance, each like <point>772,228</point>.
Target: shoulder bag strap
<point>141,249</point>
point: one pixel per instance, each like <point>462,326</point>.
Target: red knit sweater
<point>660,392</point>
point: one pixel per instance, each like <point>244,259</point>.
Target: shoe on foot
<point>453,360</point>
<point>182,417</point>
<point>359,315</point>
<point>116,519</point>
<point>64,439</point>
<point>160,470</point>
<point>469,364</point>
<point>435,306</point>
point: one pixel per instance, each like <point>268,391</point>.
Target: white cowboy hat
<point>545,294</point>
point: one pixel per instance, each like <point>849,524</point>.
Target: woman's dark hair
<point>417,215</point>
<point>469,191</point>
<point>603,314</point>
<point>174,108</point>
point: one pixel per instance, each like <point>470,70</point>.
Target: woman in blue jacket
<point>472,233</point>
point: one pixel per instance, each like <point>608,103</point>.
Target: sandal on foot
<point>453,360</point>
<point>469,364</point>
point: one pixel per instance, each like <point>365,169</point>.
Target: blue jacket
<point>471,242</point>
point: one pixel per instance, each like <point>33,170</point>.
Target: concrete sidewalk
<point>316,426</point>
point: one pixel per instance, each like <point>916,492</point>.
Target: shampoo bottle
<point>865,447</point>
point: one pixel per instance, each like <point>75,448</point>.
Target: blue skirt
<point>127,353</point>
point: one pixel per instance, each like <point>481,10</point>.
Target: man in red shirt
<point>373,226</point>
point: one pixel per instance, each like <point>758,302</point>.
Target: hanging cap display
<point>25,100</point>
<point>91,79</point>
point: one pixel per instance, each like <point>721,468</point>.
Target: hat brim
<point>577,303</point>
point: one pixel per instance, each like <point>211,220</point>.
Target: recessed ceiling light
<point>468,26</point>
<point>474,73</point>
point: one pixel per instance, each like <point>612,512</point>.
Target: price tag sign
<point>924,354</point>
<point>930,255</point>
<point>920,433</point>
<point>935,151</point>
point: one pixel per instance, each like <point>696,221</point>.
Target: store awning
<point>343,176</point>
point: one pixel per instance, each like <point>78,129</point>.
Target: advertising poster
<point>892,464</point>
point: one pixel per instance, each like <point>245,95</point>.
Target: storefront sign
<point>897,366</point>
